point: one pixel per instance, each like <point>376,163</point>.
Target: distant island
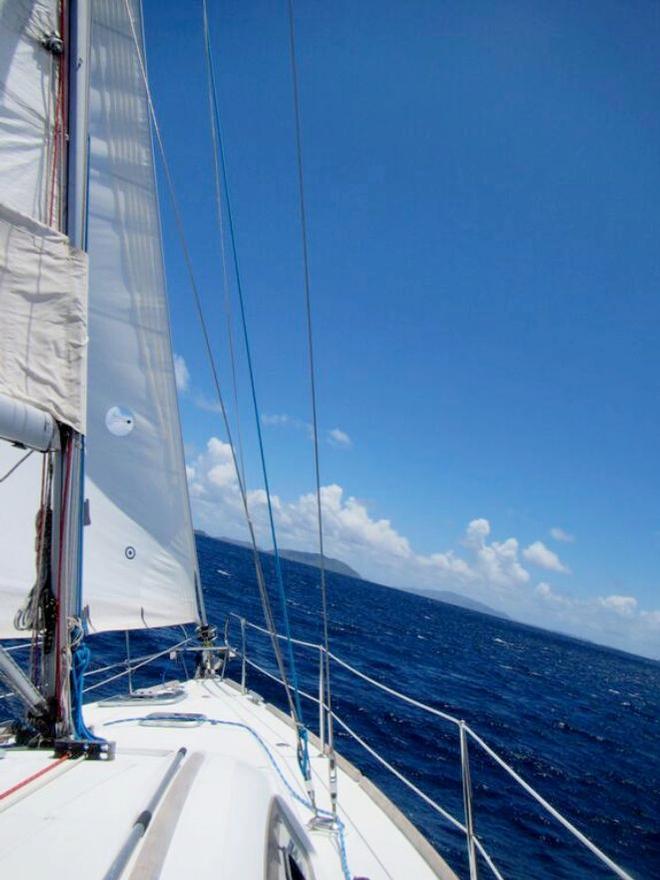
<point>339,567</point>
<point>314,560</point>
<point>311,559</point>
<point>458,599</point>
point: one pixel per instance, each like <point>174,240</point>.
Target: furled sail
<point>29,98</point>
<point>42,279</point>
<point>139,564</point>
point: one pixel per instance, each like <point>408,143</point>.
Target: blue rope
<point>80,656</point>
<point>303,758</point>
<point>304,802</point>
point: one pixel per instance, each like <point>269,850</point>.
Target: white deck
<point>212,820</point>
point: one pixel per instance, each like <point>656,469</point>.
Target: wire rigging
<point>221,236</point>
<point>312,382</point>
<point>16,466</point>
<point>218,141</point>
<point>265,601</point>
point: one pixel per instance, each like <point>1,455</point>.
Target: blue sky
<point>483,193</point>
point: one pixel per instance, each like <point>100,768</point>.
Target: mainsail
<point>42,283</point>
<point>140,565</point>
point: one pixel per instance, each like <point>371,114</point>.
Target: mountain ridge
<point>338,567</point>
<point>301,556</point>
<point>458,599</point>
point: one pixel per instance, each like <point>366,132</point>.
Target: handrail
<point>149,659</point>
<point>465,733</point>
<point>447,815</point>
<point>279,635</point>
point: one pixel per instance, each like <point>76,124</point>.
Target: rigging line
<point>16,466</point>
<point>312,381</point>
<point>221,235</point>
<point>265,601</point>
<point>248,352</point>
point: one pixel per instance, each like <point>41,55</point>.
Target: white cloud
<point>282,420</point>
<point>545,591</point>
<point>613,620</point>
<point>181,373</point>
<point>496,563</point>
<point>626,606</point>
<point>560,535</point>
<point>488,570</point>
<point>351,532</point>
<point>275,419</point>
<point>337,437</point>
<point>538,554</point>
<point>207,404</point>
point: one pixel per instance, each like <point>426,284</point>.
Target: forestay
<point>29,186</point>
<point>140,565</point>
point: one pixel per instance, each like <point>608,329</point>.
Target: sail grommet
<point>119,421</point>
<point>129,552</point>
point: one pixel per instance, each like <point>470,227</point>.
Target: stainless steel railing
<point>465,736</point>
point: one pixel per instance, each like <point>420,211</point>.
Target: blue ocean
<point>579,722</point>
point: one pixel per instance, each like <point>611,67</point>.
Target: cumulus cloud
<point>479,566</point>
<point>560,535</point>
<point>349,529</point>
<point>371,543</point>
<point>538,554</point>
<point>496,563</point>
<point>181,373</point>
<point>613,620</point>
<point>337,437</point>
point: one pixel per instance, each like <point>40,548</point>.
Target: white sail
<point>139,564</point>
<point>30,167</point>
<point>28,97</point>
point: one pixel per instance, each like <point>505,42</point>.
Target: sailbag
<point>140,566</point>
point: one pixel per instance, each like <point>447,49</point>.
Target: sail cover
<point>43,302</point>
<point>140,565</point>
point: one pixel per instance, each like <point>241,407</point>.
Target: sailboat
<point>197,777</point>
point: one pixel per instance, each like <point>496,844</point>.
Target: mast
<point>68,460</point>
